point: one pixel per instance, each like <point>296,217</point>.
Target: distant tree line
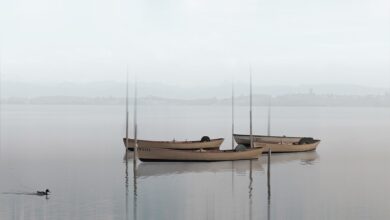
<point>308,99</point>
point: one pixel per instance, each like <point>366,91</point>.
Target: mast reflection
<point>269,184</point>
<point>135,192</point>
<point>129,156</point>
<point>127,183</point>
<point>250,189</point>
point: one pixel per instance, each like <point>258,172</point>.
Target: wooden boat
<point>162,154</point>
<point>182,145</point>
<point>279,144</point>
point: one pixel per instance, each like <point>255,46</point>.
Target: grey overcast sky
<point>190,42</point>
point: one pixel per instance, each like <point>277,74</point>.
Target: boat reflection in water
<point>305,158</point>
<point>209,190</point>
<point>149,169</point>
<point>176,168</point>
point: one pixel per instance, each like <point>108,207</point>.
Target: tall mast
<point>269,117</point>
<point>127,109</point>
<point>232,113</point>
<point>135,149</point>
<point>250,107</point>
<point>135,122</point>
<point>0,96</point>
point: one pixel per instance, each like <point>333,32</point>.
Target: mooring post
<point>250,108</point>
<point>232,113</point>
<point>269,172</point>
<point>135,124</point>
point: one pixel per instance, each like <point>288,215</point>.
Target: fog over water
<point>194,42</point>
<point>323,65</point>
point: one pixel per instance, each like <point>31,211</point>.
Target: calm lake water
<point>77,152</point>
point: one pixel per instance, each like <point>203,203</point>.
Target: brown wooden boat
<point>279,144</point>
<point>182,145</point>
<point>161,154</point>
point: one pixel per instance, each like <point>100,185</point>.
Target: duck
<point>43,193</point>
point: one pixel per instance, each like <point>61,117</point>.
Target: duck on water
<point>43,193</point>
<point>37,193</point>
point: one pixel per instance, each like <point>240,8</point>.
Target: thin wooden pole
<point>250,107</point>
<point>232,114</point>
<point>269,173</point>
<point>269,207</point>
<point>127,185</point>
<point>127,110</point>
<point>127,144</point>
<point>269,161</point>
<point>233,133</point>
<point>269,117</point>
<point>135,124</point>
<point>250,190</point>
<point>1,107</point>
<point>135,193</point>
<point>135,150</point>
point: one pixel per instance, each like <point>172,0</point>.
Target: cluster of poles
<point>233,95</point>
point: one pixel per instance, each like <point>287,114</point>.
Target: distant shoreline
<point>291,100</point>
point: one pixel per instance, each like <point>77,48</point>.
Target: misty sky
<point>191,42</point>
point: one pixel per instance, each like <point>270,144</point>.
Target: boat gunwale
<point>177,142</point>
<point>247,135</point>
<point>200,161</point>
<point>288,147</point>
<point>315,141</point>
<point>204,150</point>
<point>206,153</point>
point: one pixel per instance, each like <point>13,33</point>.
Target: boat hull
<point>279,144</point>
<point>182,145</point>
<point>245,139</point>
<point>160,154</point>
<point>286,147</point>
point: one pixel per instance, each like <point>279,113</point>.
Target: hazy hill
<point>258,100</point>
<point>223,90</point>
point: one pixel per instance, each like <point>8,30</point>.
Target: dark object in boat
<point>240,147</point>
<point>205,139</point>
<point>43,193</point>
<point>306,140</point>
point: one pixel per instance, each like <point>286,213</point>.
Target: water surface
<point>76,152</point>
